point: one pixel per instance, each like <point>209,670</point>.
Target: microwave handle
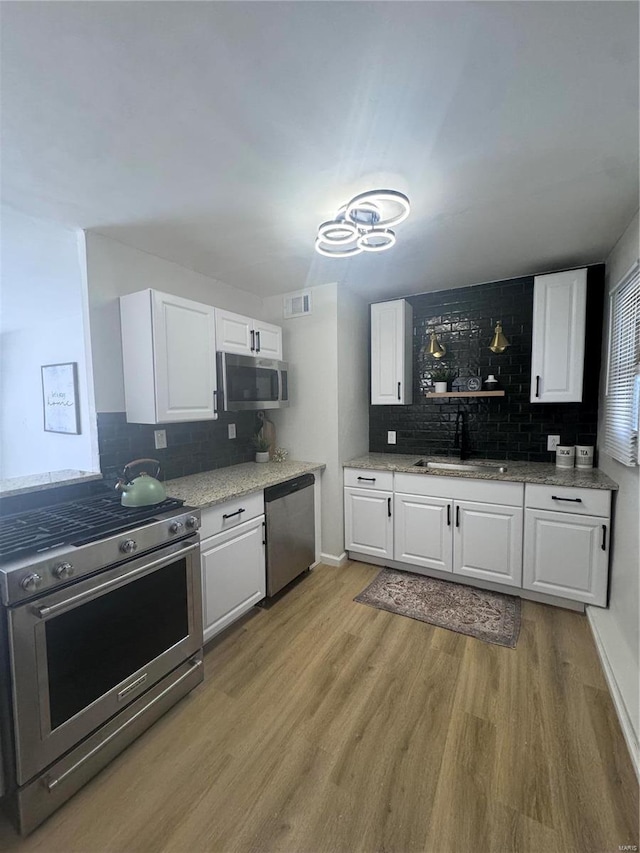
<point>281,398</point>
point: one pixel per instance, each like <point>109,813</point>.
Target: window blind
<point>623,379</point>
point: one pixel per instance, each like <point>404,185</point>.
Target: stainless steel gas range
<point>100,633</point>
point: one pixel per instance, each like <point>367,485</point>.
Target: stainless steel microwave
<point>248,383</point>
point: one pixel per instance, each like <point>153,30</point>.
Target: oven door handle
<point>87,595</point>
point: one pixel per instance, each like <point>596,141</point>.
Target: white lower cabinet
<point>233,574</point>
<point>368,521</point>
<point>567,555</point>
<point>422,531</point>
<point>487,542</point>
<point>552,540</point>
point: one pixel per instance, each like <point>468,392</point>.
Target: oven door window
<point>95,646</point>
<point>251,384</point>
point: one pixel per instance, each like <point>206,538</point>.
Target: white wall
<point>308,429</point>
<point>42,321</point>
<point>617,629</point>
<point>328,419</point>
<point>115,269</point>
<point>353,375</point>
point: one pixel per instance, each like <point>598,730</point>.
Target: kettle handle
<point>139,462</point>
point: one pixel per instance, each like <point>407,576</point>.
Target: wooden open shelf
<point>465,394</point>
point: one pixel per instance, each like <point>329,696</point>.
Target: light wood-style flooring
<point>326,725</point>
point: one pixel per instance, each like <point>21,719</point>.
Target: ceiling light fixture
<point>363,224</point>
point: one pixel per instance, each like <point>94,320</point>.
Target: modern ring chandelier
<point>363,224</point>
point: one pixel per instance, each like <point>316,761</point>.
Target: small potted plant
<point>441,377</point>
<point>262,448</point>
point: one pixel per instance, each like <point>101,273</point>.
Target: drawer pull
<point>604,537</point>
<point>369,479</point>
<point>568,500</point>
<point>231,514</point>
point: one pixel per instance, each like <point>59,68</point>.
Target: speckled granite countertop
<point>518,472</point>
<point>225,484</point>
<point>38,482</point>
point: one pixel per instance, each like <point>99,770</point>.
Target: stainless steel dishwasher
<point>291,538</point>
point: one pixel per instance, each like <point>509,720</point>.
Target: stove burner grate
<point>73,523</point>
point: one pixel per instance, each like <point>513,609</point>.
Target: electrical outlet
<point>232,430</point>
<point>552,442</point>
<point>391,436</point>
<point>160,438</point>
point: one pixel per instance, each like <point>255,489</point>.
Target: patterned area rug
<point>489,616</point>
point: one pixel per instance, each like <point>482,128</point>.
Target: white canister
<point>565,456</point>
<point>441,387</point>
<point>584,456</point>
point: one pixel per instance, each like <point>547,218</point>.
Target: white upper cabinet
<point>557,357</point>
<point>391,353</point>
<point>234,333</point>
<point>245,336</point>
<point>169,358</point>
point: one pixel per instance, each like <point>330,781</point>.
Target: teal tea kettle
<point>142,490</point>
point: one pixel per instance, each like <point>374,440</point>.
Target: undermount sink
<point>461,466</point>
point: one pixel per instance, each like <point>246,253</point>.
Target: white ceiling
<point>219,135</point>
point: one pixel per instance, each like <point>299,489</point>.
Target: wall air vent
<point>297,304</point>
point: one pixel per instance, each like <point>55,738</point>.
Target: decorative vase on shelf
<point>441,387</point>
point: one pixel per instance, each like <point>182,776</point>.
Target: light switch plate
<point>391,436</point>
<point>160,438</point>
<point>552,442</point>
<point>232,430</point>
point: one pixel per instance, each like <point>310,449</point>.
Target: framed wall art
<point>60,398</point>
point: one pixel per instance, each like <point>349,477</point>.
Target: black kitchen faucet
<point>460,437</point>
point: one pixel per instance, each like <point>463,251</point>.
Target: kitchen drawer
<point>568,499</point>
<point>365,479</point>
<point>460,488</point>
<point>214,520</point>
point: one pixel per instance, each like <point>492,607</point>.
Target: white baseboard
<point>332,560</point>
<point>616,695</point>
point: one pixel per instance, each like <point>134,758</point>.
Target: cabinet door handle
<point>537,386</point>
<point>568,500</point>
<point>399,386</point>
<point>457,516</point>
<point>215,402</point>
<point>231,514</point>
<point>448,515</point>
<point>389,507</point>
<point>604,537</point>
<point>257,341</point>
<point>368,479</point>
<point>264,533</point>
<point>253,341</point>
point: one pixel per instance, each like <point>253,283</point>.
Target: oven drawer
<point>229,514</point>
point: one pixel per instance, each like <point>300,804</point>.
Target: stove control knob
<point>192,522</point>
<point>63,571</point>
<point>31,582</point>
<point>176,527</point>
<point>128,546</point>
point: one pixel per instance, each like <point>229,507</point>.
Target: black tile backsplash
<point>507,427</point>
<point>191,447</point>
